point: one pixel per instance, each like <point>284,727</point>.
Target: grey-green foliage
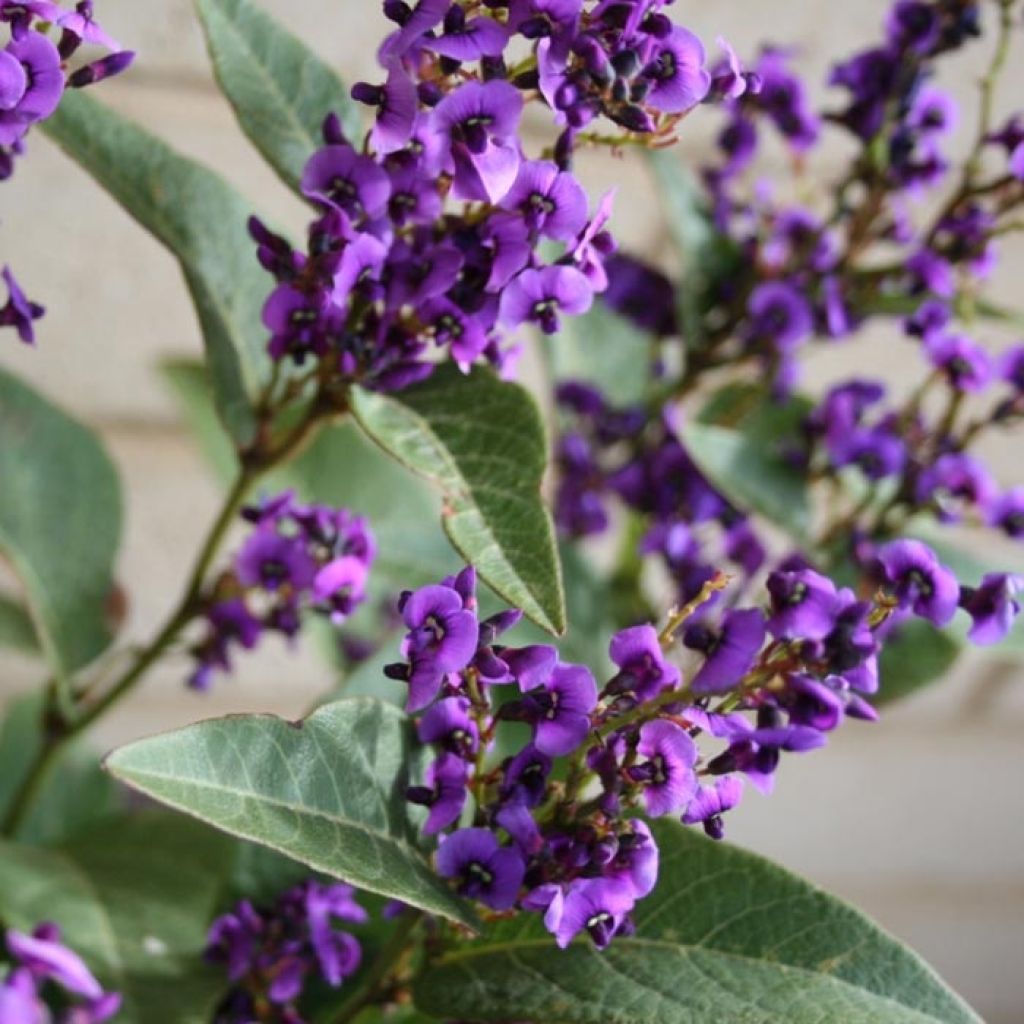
<point>482,441</point>
<point>60,523</point>
<point>16,629</point>
<point>328,791</point>
<point>134,897</point>
<point>202,221</point>
<point>280,90</point>
<point>725,937</point>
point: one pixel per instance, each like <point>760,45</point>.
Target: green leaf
<point>134,898</point>
<point>482,441</point>
<point>16,629</point>
<point>606,350</point>
<point>60,523</point>
<point>749,466</point>
<point>328,791</point>
<point>913,656</point>
<point>280,90</point>
<point>726,937</point>
<point>75,793</point>
<point>202,221</point>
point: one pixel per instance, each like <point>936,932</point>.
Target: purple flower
<point>1007,512</point>
<point>297,322</point>
<point>597,906</point>
<point>19,312</point>
<point>448,724</point>
<point>525,776</point>
<point>711,802</point>
<point>484,870</point>
<point>478,122</point>
<point>954,481</point>
<point>802,605</point>
<point>38,87</point>
<point>45,957</point>
<point>340,178</point>
<point>560,709</point>
<point>551,201</point>
<point>469,39</point>
<point>538,296</point>
<point>340,586</point>
<point>676,73</point>
<point>643,670</point>
<point>992,607</point>
<point>635,863</point>
<point>272,561</point>
<point>779,315</point>
<point>414,25</point>
<point>338,953</point>
<point>919,581</point>
<point>442,638</point>
<point>444,792</point>
<point>967,366</point>
<point>667,775</point>
<point>397,104</point>
<point>729,652</point>
<point>913,25</point>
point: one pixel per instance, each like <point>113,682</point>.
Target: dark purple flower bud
<point>779,315</point>
<point>667,775</point>
<point>538,296</point>
<point>729,652</point>
<point>711,802</point>
<point>918,581</point>
<point>106,67</point>
<point>914,25</point>
<point>993,607</point>
<point>642,294</point>
<point>643,670</point>
<point>483,870</point>
<point>19,311</point>
<point>560,709</point>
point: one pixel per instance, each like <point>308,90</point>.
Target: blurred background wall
<point>918,819</point>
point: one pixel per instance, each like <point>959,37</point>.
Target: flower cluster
<point>530,834</point>
<point>297,558</point>
<point>41,964</point>
<point>270,953</point>
<point>439,230</point>
<point>33,76</point>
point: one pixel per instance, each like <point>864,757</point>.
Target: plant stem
<point>373,986</point>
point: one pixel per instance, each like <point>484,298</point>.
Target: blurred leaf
<point>603,349</point>
<point>726,937</point>
<point>134,898</point>
<point>281,90</point>
<point>16,629</point>
<point>482,441</point>
<point>202,221</point>
<point>76,792</point>
<point>328,791</point>
<point>60,523</point>
<point>914,655</point>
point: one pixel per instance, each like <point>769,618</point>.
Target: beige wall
<point>919,819</point>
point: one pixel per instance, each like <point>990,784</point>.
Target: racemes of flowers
<point>41,964</point>
<point>34,72</point>
<point>297,559</point>
<point>553,827</point>
<point>778,276</point>
<point>270,953</point>
<point>437,232</point>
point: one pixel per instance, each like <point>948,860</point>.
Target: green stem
<point>372,987</point>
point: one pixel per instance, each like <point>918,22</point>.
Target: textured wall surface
<point>918,819</point>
